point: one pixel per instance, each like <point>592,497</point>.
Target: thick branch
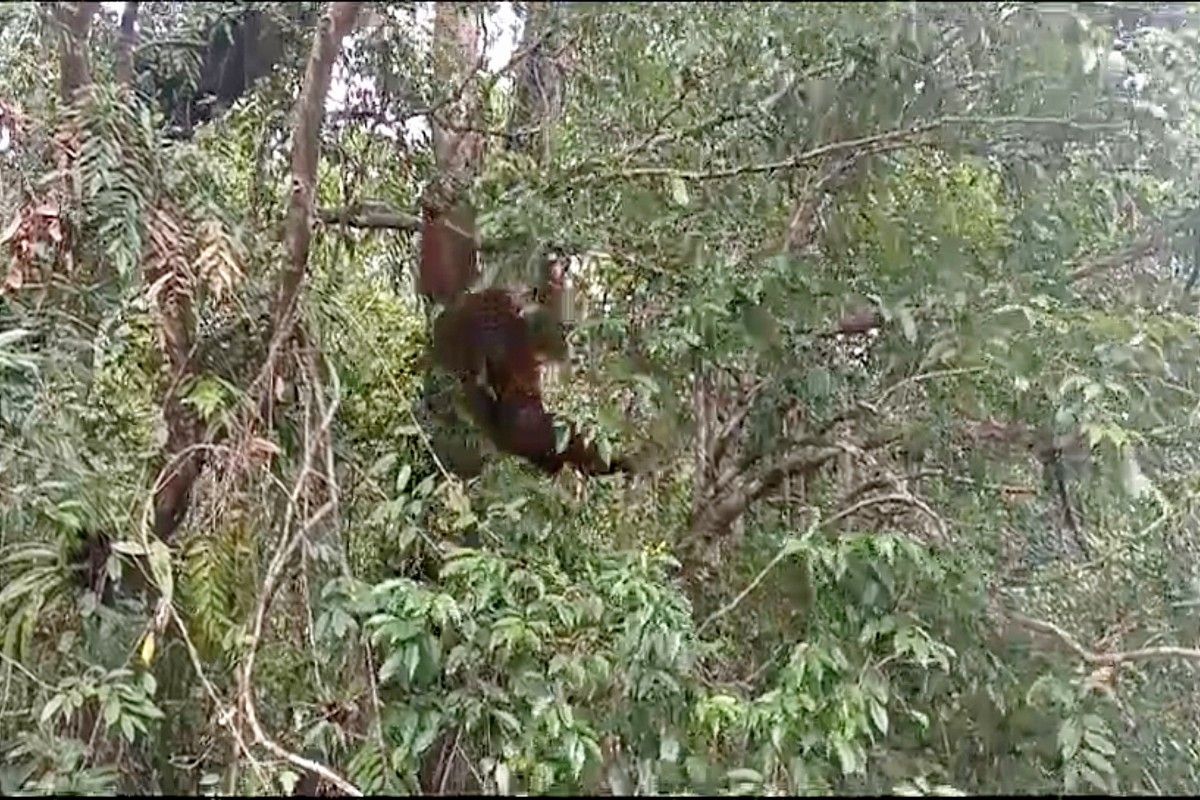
<point>731,502</point>
<point>720,444</point>
<point>388,219</point>
<point>335,24</point>
<point>370,219</point>
<point>1148,245</point>
<point>76,21</point>
<point>167,264</point>
<point>538,87</point>
<point>126,45</point>
<point>456,54</point>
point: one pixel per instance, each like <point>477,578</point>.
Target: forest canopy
<point>599,398</point>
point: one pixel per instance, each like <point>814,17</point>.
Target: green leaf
<point>160,568</point>
<point>604,449</point>
<point>403,477</point>
<point>668,749</point>
<point>1132,477</point>
<point>1099,743</point>
<point>562,435</point>
<point>52,706</point>
<point>12,336</point>
<point>1098,762</point>
<point>112,710</point>
<point>744,775</point>
<point>507,720</point>
<point>382,465</point>
<point>391,665</point>
<point>679,190</point>
<point>847,756</point>
<point>880,717</point>
<point>907,324</point>
<point>1070,734</point>
<point>1094,779</point>
<point>412,659</point>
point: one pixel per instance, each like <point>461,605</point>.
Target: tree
<point>897,299</point>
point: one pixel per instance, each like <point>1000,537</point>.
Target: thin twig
<point>924,376</point>
<point>12,662</point>
<point>288,543</point>
<point>224,713</point>
<point>788,549</point>
<point>875,142</point>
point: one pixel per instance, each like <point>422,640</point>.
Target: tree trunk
<point>76,22</point>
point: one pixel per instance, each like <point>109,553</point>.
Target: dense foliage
<point>945,552</point>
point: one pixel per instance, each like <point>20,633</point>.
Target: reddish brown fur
<point>448,264</point>
<point>485,340</point>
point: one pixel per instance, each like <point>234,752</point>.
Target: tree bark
<point>76,21</point>
<point>335,24</point>
<point>185,434</point>
<point>167,262</point>
<point>457,150</point>
<point>126,45</point>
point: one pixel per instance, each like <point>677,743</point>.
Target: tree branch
<point>335,24</point>
<point>735,495</point>
<point>720,444</point>
<point>789,548</point>
<point>167,265</point>
<point>370,219</point>
<point>456,54</point>
<point>288,544</point>
<point>76,21</point>
<point>874,143</point>
<point>1110,659</point>
<point>127,44</point>
<point>1147,245</point>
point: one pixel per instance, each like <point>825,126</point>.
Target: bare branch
<point>1147,245</point>
<point>903,498</point>
<point>225,714</point>
<point>1111,659</point>
<point>335,24</point>
<point>801,228</point>
<point>785,551</point>
<point>701,464</point>
<point>924,376</point>
<point>874,143</point>
<point>720,445</point>
<point>789,548</point>
<point>288,544</point>
<point>735,496</point>
<point>370,219</point>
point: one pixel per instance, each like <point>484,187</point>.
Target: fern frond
<point>119,169</point>
<point>219,260</point>
<point>207,589</point>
